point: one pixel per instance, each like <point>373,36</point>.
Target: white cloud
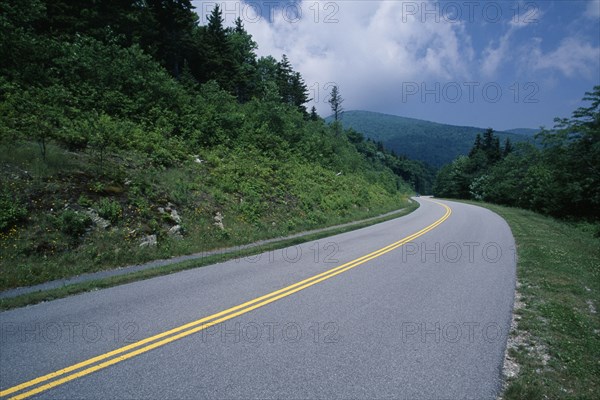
<point>371,48</point>
<point>572,57</point>
<point>500,52</point>
<point>374,46</point>
<point>493,57</point>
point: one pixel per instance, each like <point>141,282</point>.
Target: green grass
<point>559,332</point>
<point>45,234</point>
<point>47,295</point>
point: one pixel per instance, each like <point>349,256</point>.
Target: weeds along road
<point>416,307</point>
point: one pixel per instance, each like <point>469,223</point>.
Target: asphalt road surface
<point>416,307</point>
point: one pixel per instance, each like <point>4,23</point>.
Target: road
<point>416,307</point>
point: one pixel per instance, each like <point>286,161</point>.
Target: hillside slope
<point>118,147</point>
<point>431,142</point>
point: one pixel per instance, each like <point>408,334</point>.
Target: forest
<point>116,111</point>
<point>433,144</point>
<point>561,178</point>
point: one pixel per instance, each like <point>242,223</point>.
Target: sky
<point>498,64</point>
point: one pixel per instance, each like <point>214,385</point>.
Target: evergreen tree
<point>175,23</point>
<point>335,100</point>
<point>508,148</point>
<point>243,48</point>
<point>476,146</point>
<point>291,86</point>
<point>488,140</point>
<point>220,59</point>
<point>284,79</point>
<point>313,114</point>
<point>495,153</point>
<point>299,92</point>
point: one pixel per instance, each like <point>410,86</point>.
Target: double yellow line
<point>124,353</point>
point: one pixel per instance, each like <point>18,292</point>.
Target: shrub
<point>110,210</point>
<point>11,211</point>
<point>83,201</point>
<point>73,223</point>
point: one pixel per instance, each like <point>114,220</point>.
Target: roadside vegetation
<point>562,179</point>
<point>554,346</point>
<point>130,132</point>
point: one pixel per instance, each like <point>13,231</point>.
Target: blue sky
<point>499,64</point>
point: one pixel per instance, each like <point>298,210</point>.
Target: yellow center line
<point>203,323</point>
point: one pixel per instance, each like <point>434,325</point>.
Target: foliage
<point>335,101</point>
<point>133,107</point>
<point>73,223</point>
<point>432,143</point>
<point>11,211</point>
<point>561,179</point>
<point>109,209</point>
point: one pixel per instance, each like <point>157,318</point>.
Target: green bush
<point>110,210</point>
<point>83,201</point>
<point>11,211</point>
<point>73,223</point>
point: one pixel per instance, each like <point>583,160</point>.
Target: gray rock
<point>96,219</point>
<point>219,221</point>
<point>175,230</point>
<point>175,216</point>
<point>149,241</point>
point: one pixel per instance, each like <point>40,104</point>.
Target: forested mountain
<point>524,131</point>
<point>430,142</point>
<point>562,178</point>
<point>127,124</point>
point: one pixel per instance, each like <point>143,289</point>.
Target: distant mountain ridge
<point>524,131</point>
<point>436,144</point>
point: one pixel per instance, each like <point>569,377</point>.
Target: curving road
<point>416,307</point>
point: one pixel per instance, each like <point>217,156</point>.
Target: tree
<point>41,113</point>
<point>220,64</point>
<point>106,134</point>
<point>243,48</point>
<point>495,153</point>
<point>175,23</point>
<point>572,150</point>
<point>292,89</point>
<point>313,114</point>
<point>335,100</point>
<point>299,92</point>
<point>507,148</point>
<point>476,146</point>
<point>488,139</point>
<point>284,78</point>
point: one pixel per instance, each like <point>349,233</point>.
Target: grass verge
<point>47,295</point>
<point>554,346</point>
<point>62,217</point>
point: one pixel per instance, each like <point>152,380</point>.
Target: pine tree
<point>488,140</point>
<point>220,60</point>
<point>284,79</point>
<point>244,56</point>
<point>496,152</point>
<point>313,114</point>
<point>476,146</point>
<point>299,92</point>
<point>335,100</point>
<point>291,85</point>
<point>176,21</point>
<point>507,148</point>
